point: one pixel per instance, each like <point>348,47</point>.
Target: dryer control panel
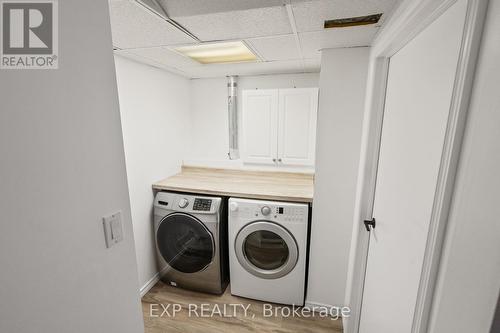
<point>269,210</point>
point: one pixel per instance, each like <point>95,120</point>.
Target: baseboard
<point>318,307</point>
<point>315,306</point>
<point>145,288</point>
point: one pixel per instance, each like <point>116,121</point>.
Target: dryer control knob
<point>233,206</point>
<point>183,203</point>
<point>265,210</point>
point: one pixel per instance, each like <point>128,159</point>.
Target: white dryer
<point>267,250</point>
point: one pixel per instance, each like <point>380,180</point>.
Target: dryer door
<point>185,243</point>
<point>266,249</point>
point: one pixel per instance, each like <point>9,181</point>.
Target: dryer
<point>191,241</point>
<point>267,250</point>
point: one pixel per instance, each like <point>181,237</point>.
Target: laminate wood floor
<point>158,307</point>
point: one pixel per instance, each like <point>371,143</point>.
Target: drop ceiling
<point>287,35</point>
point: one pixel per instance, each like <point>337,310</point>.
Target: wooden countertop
<point>280,186</point>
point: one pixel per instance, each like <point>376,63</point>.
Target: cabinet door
<point>297,126</point>
<point>260,124</point>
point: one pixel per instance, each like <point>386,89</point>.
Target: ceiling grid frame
<point>291,18</point>
<point>293,46</point>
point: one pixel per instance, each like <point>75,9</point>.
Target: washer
<point>267,250</point>
<point>191,241</point>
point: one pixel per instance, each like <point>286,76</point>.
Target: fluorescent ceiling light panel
<point>214,53</point>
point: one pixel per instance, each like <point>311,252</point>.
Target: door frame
<point>409,19</point>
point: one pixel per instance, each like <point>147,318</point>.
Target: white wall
<point>154,106</point>
<point>342,93</point>
<point>62,170</point>
<point>210,119</point>
<point>469,278</point>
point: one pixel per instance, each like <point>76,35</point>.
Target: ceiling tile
<point>312,65</point>
<point>177,8</point>
<point>313,42</point>
<point>238,24</point>
<point>263,24</point>
<point>133,27</point>
<point>311,15</point>
<point>276,47</point>
<point>127,54</point>
<point>148,61</point>
<point>164,56</point>
<point>256,68</point>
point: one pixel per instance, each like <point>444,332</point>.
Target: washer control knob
<point>265,210</point>
<point>183,203</point>
<point>233,206</point>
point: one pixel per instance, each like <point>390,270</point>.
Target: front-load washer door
<point>266,249</point>
<point>185,243</point>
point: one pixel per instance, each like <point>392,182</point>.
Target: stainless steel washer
<point>191,241</point>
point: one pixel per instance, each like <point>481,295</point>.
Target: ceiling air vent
<point>352,21</point>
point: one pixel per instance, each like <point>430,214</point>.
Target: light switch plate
<point>113,231</point>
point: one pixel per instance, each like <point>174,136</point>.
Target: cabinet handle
<point>279,160</point>
<point>274,160</point>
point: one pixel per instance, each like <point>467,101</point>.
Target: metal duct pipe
<point>232,86</point>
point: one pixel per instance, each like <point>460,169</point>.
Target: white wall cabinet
<point>279,126</point>
<point>260,126</point>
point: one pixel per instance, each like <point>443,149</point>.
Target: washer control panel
<point>202,204</point>
<point>187,203</point>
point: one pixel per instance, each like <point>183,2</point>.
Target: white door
<point>297,126</point>
<point>260,118</point>
<point>419,91</point>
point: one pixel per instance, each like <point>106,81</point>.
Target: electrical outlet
<point>113,232</point>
